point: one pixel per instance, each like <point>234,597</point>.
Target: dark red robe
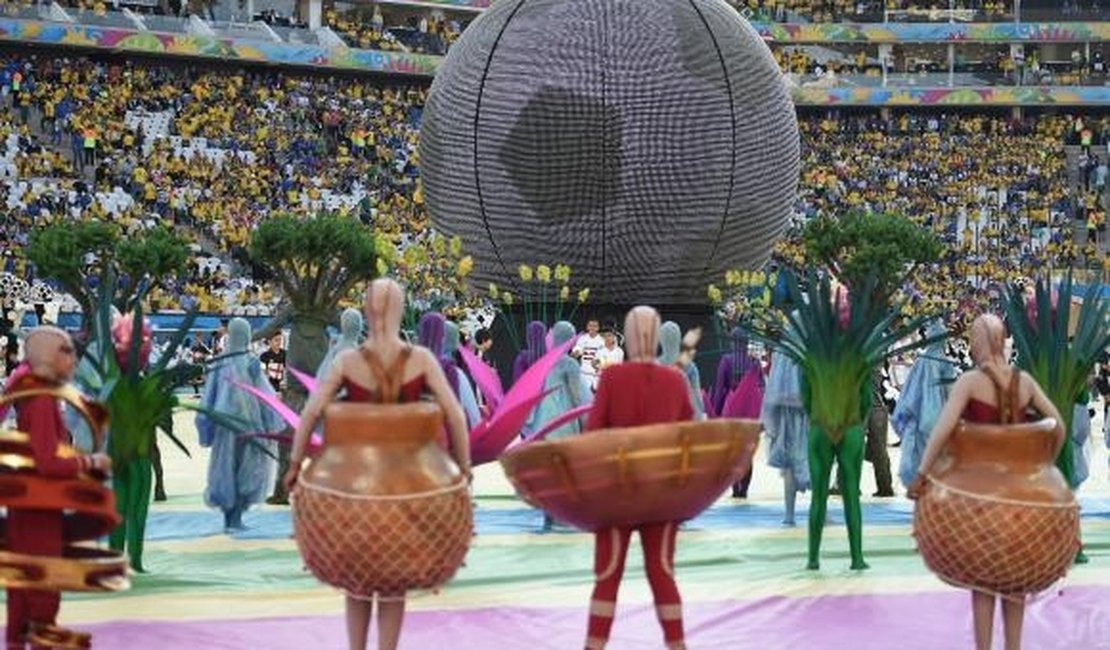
<point>37,532</point>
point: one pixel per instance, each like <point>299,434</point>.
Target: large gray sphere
<point>650,144</point>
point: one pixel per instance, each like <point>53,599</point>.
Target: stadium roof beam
<point>57,14</point>
<point>135,19</point>
<point>196,25</point>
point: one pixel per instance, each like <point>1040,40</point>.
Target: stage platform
<point>740,570</point>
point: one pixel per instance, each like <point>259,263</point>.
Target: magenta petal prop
<point>710,412</point>
<point>315,443</point>
<point>308,381</point>
<point>289,415</point>
<point>746,400</point>
<point>531,382</point>
<point>489,383</point>
<point>488,442</point>
<point>559,421</point>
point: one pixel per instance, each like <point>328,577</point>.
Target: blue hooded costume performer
<point>670,343</point>
<point>920,403</point>
<point>569,390</point>
<point>1080,434</point>
<point>784,418</point>
<point>350,335</point>
<point>240,466</point>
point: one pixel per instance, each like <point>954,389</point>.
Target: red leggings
<point>35,533</point>
<point>610,551</point>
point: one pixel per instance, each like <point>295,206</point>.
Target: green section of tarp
<point>528,564</point>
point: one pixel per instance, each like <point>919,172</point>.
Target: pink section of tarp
<point>1076,618</point>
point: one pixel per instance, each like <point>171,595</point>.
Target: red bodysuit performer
<point>636,393</point>
<point>52,361</point>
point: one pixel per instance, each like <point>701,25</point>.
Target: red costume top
<point>411,391</point>
<point>41,419</point>
<point>635,394</point>
<point>981,412</point>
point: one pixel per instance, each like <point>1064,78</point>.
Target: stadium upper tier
<point>827,63</point>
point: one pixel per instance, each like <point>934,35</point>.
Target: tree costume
<point>1060,352</point>
<point>140,398</point>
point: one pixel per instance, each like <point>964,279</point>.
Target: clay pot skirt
<point>382,510</point>
<point>997,516</point>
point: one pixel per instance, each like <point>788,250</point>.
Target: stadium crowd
<point>213,152</point>
<point>1000,191</point>
<point>869,10</point>
<point>366,28</point>
<point>210,152</point>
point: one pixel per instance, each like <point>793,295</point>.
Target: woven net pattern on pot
<point>383,545</point>
<point>997,546</point>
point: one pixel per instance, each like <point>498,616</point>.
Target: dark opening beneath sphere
<point>649,144</point>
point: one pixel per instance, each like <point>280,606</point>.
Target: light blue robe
<point>240,467</point>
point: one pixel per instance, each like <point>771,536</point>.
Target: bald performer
<point>51,361</point>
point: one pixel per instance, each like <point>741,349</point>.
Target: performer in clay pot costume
<point>382,509</point>
<point>40,522</point>
<point>994,514</point>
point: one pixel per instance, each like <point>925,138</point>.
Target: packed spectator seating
<point>365,27</point>
<point>212,153</point>
<point>876,10</point>
<point>1000,190</point>
<point>925,65</point>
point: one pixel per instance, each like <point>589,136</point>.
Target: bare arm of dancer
<point>310,415</point>
<point>452,410</point>
<point>1046,408</point>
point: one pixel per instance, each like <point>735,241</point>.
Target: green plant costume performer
<point>837,338</point>
<point>845,446</point>
<point>1060,349</point>
<point>140,399</point>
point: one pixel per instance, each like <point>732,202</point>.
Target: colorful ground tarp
<point>740,571</point>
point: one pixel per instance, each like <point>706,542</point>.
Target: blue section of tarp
<point>204,322</point>
<point>276,524</point>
